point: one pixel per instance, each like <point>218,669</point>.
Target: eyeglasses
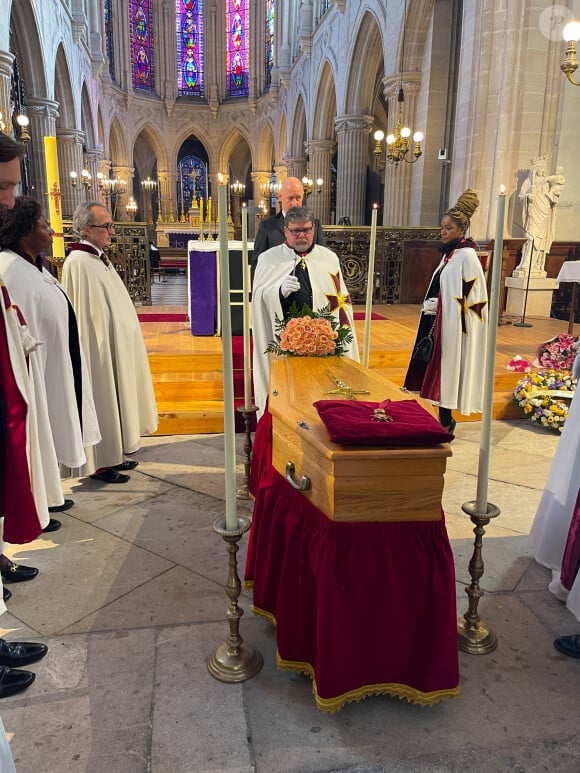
<point>108,226</point>
<point>305,231</point>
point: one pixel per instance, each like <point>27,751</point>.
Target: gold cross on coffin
<point>345,390</point>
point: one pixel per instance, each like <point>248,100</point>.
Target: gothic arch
<point>100,129</point>
<point>148,149</point>
<point>235,154</point>
<point>87,123</point>
<point>266,149</point>
<point>282,138</point>
<point>63,92</point>
<point>362,76</point>
<point>298,130</point>
<point>25,42</point>
<point>325,101</point>
<point>117,146</point>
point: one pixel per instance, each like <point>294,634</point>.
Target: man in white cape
<point>299,272</point>
<point>113,344</point>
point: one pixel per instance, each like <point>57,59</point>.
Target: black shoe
<point>128,464</point>
<point>111,476</point>
<point>53,525</point>
<point>568,645</point>
<point>20,653</point>
<point>7,594</point>
<point>66,505</point>
<point>12,572</point>
<point>13,681</point>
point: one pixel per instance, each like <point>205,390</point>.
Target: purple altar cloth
<point>203,292</point>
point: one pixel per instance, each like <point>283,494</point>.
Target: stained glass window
<point>191,181</point>
<point>190,49</point>
<point>237,47</point>
<point>269,47</point>
<point>109,38</point>
<point>142,49</point>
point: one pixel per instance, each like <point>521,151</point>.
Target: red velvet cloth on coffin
<point>364,608</point>
<point>359,423</point>
<point>571,559</point>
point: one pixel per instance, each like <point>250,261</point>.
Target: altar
<point>203,286</point>
<point>570,272</point>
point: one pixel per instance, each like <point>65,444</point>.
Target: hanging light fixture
<point>569,66</point>
<point>398,142</point>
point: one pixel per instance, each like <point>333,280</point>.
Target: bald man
<point>271,230</point>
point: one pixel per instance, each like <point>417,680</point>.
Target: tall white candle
<point>493,306</point>
<point>228,368</point>
<point>370,288</point>
<point>246,293</point>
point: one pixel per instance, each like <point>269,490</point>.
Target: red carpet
<point>374,315</point>
<point>162,317</point>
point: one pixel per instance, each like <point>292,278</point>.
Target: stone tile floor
<point>130,600</point>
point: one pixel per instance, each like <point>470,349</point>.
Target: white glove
<point>430,306</point>
<point>290,284</point>
<point>29,343</point>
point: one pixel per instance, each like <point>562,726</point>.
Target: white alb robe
<point>551,525</point>
<point>273,266</point>
<point>46,310</point>
<point>116,356</point>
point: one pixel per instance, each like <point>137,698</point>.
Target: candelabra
<point>112,188</point>
<point>150,187</point>
<point>131,208</point>
<point>85,178</point>
<point>23,122</point>
<point>238,189</point>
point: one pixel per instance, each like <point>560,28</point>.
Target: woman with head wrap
<point>454,316</point>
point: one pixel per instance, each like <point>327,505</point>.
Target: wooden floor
<point>187,369</point>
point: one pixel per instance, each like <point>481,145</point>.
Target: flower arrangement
<point>558,353</point>
<point>519,365</point>
<point>307,333</point>
<point>543,397</point>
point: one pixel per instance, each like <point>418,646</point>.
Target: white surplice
<point>116,356</point>
<point>273,266</point>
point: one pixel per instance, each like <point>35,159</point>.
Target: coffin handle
<point>304,483</point>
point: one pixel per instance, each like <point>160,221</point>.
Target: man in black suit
<point>271,230</point>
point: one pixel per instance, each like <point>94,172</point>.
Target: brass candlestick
<point>234,661</point>
<point>244,490</point>
<point>474,636</point>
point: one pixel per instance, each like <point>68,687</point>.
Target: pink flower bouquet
<point>307,333</point>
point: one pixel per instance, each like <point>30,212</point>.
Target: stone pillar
<point>261,182</point>
<point>93,157</point>
<point>320,154</point>
<point>123,191</point>
<point>296,167</point>
<point>163,197</point>
<point>43,114</point>
<point>351,173</point>
<point>69,143</point>
<point>398,178</point>
<point>6,60</point>
<point>281,172</point>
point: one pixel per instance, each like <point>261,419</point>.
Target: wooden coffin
<point>348,483</point>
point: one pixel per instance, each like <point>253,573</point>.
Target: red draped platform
<point>363,608</point>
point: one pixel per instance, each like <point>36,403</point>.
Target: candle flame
<point>375,206</point>
<point>502,189</point>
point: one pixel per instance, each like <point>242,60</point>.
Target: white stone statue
<point>540,194</point>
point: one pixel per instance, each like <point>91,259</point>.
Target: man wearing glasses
<point>299,272</point>
<point>111,337</point>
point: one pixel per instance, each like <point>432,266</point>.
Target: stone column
<point>261,182</point>
<point>43,114</point>
<point>69,143</point>
<point>123,191</point>
<point>296,167</point>
<point>398,178</point>
<point>353,154</point>
<point>320,154</point>
<point>6,60</point>
<point>93,157</point>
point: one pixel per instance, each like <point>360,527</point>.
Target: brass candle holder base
<point>244,490</point>
<point>474,636</point>
<point>233,661</point>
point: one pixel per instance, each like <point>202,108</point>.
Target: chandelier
<point>398,142</point>
<point>569,66</point>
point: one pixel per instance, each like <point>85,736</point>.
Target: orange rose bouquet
<point>306,333</point>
